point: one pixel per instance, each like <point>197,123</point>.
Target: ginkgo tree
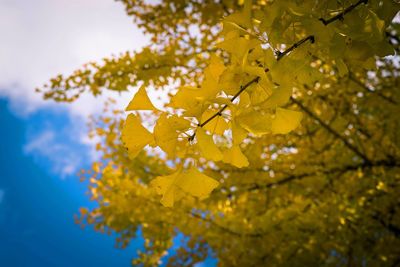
<point>278,143</point>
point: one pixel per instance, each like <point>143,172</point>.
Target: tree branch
<point>354,79</point>
<point>340,16</point>
<point>219,112</point>
<point>225,229</point>
<point>329,129</point>
<point>280,55</point>
<point>287,51</point>
<point>333,170</point>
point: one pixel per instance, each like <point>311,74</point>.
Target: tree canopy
<point>278,143</point>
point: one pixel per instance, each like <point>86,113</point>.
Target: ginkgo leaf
<point>207,146</point>
<point>164,185</point>
<point>238,133</point>
<point>342,68</point>
<point>217,125</point>
<point>285,121</point>
<point>216,67</point>
<point>259,94</point>
<point>255,122</point>
<point>196,183</point>
<point>238,47</point>
<point>187,98</point>
<point>134,136</point>
<point>209,87</point>
<point>243,18</point>
<point>230,79</point>
<point>141,101</point>
<point>244,100</point>
<point>192,182</point>
<point>178,123</point>
<point>235,157</point>
<point>279,97</point>
<point>165,135</point>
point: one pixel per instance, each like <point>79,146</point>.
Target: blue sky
<point>37,205</point>
<point>43,144</point>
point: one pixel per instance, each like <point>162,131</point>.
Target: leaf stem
<point>340,16</point>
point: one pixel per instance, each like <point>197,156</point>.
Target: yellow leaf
<point>140,101</point>
<point>269,58</point>
<point>238,47</point>
<point>192,182</point>
<point>134,136</point>
<point>255,122</point>
<point>165,185</point>
<point>285,121</point>
<point>165,135</point>
<point>235,157</point>
<point>96,167</point>
<point>279,97</point>
<point>196,183</point>
<point>238,133</point>
<point>230,80</point>
<point>258,94</point>
<point>216,67</point>
<point>242,18</point>
<point>207,147</point>
<point>342,67</point>
<point>187,98</point>
<point>178,123</point>
<point>217,125</point>
<point>244,100</point>
<point>209,87</point>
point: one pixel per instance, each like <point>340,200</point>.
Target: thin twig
<point>311,38</point>
<point>343,169</point>
<point>329,129</point>
<point>219,112</point>
<point>340,16</point>
<point>287,51</point>
<point>366,88</point>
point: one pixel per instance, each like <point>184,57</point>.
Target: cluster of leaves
<point>242,176</point>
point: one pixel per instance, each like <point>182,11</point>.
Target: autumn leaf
<point>285,121</point>
<point>134,136</point>
<point>235,157</point>
<point>207,146</point>
<point>192,182</point>
<point>140,101</point>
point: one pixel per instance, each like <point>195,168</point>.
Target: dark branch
<point>343,169</point>
<point>219,112</point>
<point>366,88</point>
<point>329,129</point>
<point>340,16</point>
<point>225,229</point>
<point>280,55</point>
<point>287,51</point>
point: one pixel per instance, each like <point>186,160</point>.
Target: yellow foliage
<point>134,136</point>
<point>235,157</point>
<point>298,194</point>
<point>140,101</point>
<point>285,121</point>
<point>207,146</point>
<point>191,182</point>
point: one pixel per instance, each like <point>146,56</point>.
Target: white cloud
<point>94,154</point>
<point>64,158</point>
<point>43,38</point>
<point>40,143</point>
